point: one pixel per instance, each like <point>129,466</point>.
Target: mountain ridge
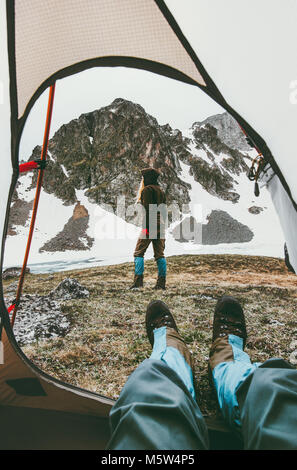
<point>95,159</point>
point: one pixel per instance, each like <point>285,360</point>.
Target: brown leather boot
<point>228,320</point>
<point>138,282</point>
<point>158,315</point>
<point>161,283</point>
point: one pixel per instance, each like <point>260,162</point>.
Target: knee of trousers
<point>141,247</point>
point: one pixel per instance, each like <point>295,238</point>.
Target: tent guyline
<point>40,165</point>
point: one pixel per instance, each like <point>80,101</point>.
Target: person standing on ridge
<point>153,201</point>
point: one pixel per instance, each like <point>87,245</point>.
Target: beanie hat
<point>150,175</point>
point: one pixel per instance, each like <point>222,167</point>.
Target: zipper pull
<point>256,190</point>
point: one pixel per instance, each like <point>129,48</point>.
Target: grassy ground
<point>107,339</point>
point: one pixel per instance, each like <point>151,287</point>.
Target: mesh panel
<point>54,34</point>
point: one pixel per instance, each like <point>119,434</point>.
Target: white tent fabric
<point>287,216</point>
<point>5,135</point>
<point>57,34</point>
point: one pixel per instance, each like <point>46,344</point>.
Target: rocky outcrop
<point>12,272</point>
<point>79,212</point>
<point>19,214</point>
<point>220,228</point>
<point>255,210</point>
<point>102,152</point>
<point>74,234</point>
<point>70,289</point>
<point>40,317</point>
<point>228,131</point>
<point>216,171</point>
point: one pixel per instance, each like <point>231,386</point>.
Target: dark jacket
<point>155,216</point>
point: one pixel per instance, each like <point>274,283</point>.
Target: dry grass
<point>107,339</point>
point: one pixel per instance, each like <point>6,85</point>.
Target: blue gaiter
<point>162,267</point>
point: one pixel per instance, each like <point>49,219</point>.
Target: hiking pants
<point>157,409</point>
<point>258,400</point>
<point>143,244</point>
<point>141,247</point>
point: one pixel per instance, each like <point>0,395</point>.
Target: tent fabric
<point>55,395</point>
<point>24,428</point>
<point>40,412</point>
<point>59,34</point>
<point>287,216</point>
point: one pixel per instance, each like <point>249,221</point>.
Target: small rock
<point>276,323</point>
<point>255,210</point>
<point>13,272</point>
<point>70,289</point>
<point>39,318</point>
<point>12,288</point>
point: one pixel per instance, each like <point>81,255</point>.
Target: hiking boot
<point>158,315</point>
<point>229,319</point>
<point>138,282</point>
<point>160,284</point>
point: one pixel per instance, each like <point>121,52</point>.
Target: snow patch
<point>115,239</point>
<point>65,171</point>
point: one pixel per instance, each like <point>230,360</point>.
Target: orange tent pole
<point>36,199</point>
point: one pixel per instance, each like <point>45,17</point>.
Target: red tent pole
<point>36,199</point>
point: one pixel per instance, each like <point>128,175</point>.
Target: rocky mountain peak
<point>228,131</point>
<point>102,153</point>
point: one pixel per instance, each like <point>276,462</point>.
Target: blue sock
<point>139,265</point>
<point>162,267</point>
